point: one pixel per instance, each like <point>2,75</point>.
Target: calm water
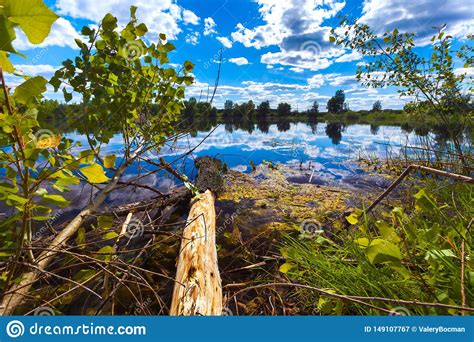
<point>322,154</point>
<point>327,149</point>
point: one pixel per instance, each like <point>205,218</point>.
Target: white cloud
<point>469,72</point>
<point>160,16</point>
<point>190,18</point>
<point>239,60</point>
<point>285,18</point>
<point>45,70</point>
<point>316,81</point>
<point>225,41</point>
<point>296,27</point>
<point>192,38</point>
<point>348,57</point>
<point>209,26</point>
<point>297,70</point>
<point>419,17</point>
<point>62,34</point>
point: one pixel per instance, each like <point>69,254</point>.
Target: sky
<point>276,50</point>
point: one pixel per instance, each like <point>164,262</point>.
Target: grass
<point>427,232</point>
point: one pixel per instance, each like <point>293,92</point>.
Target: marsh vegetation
<point>95,193</point>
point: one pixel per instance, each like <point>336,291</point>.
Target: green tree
<point>377,106</point>
<point>228,108</point>
<point>314,110</point>
<point>394,61</point>
<point>284,109</point>
<point>336,103</point>
<point>263,109</point>
<point>120,78</point>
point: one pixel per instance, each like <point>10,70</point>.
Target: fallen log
<point>198,288</point>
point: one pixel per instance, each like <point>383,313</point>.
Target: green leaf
<point>141,29</point>
<point>55,200</point>
<point>84,275</point>
<point>7,35</point>
<point>94,174</point>
<point>109,22</point>
<point>110,235</point>
<point>423,201</point>
<point>386,232</point>
<point>106,253</point>
<point>363,242</point>
<point>105,222</point>
<point>5,63</point>
<point>109,161</point>
<point>81,237</point>
<point>30,89</point>
<point>33,16</point>
<point>380,251</point>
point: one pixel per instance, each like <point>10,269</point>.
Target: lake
<point>318,153</point>
<point>323,152</point>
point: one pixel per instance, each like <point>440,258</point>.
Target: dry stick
<point>412,167</point>
<point>12,301</point>
<point>324,292</point>
<point>358,299</point>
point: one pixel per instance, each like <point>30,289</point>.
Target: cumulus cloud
<point>161,16</point>
<point>209,26</point>
<point>239,60</point>
<point>419,17</point>
<point>296,27</point>
<point>62,34</point>
<point>316,81</point>
<point>225,41</point>
<point>190,18</point>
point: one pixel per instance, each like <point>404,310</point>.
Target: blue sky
<point>273,49</point>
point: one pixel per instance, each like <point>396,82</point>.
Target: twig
<point>409,169</point>
<point>358,299</point>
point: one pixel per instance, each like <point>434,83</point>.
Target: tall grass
<point>430,232</point>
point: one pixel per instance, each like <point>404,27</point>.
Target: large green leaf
<point>94,173</point>
<point>55,200</point>
<point>382,251</point>
<point>31,88</point>
<point>7,35</point>
<point>5,63</point>
<point>33,16</point>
